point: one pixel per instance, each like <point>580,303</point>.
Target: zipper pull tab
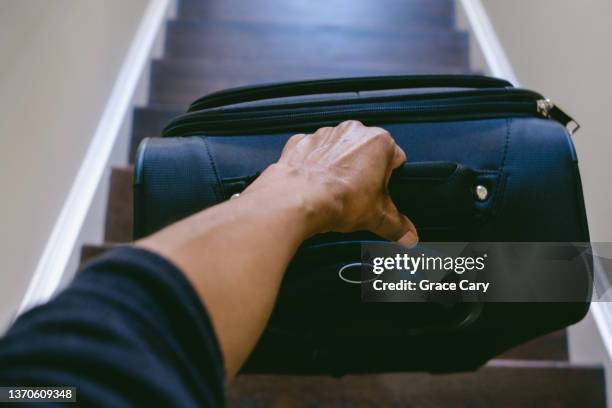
<point>549,110</point>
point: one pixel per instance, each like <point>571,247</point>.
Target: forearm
<point>235,255</point>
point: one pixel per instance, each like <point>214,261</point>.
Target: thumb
<point>395,226</point>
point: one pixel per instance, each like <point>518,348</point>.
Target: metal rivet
<point>235,196</point>
<point>481,192</point>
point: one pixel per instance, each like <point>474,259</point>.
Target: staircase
<point>215,44</point>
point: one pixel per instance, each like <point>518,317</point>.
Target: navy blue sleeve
<point>128,331</point>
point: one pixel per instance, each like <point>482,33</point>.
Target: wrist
<point>296,192</point>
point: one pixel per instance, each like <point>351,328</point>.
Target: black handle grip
<point>327,86</point>
<point>416,172</point>
<point>437,196</point>
<point>424,171</point>
<point>434,193</point>
<point>428,192</point>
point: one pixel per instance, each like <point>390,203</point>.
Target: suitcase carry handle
<point>329,86</point>
<point>436,191</point>
<point>409,171</point>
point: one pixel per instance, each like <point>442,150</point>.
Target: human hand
<point>340,176</point>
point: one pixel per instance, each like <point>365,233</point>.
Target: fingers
<point>348,124</point>
<point>397,156</point>
<point>398,159</point>
<point>324,137</point>
<point>395,226</point>
<point>411,238</point>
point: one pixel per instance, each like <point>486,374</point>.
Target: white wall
<point>58,63</point>
<point>562,49</point>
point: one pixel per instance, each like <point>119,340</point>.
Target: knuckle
<point>383,137</point>
<point>351,123</point>
<point>323,130</point>
<point>401,153</point>
<point>376,129</point>
<point>292,142</point>
<point>296,138</point>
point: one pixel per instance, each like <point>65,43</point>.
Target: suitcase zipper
<point>443,106</point>
<point>335,85</point>
<point>549,110</point>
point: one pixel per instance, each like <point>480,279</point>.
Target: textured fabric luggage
<point>486,163</point>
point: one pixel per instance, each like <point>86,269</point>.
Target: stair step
<point>248,42</point>
<point>180,82</point>
<point>90,251</point>
<point>119,213</point>
<point>499,383</point>
<point>385,14</point>
<point>268,71</point>
<point>552,346</point>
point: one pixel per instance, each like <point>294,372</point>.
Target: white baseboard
<point>82,216</point>
<point>602,309</point>
<point>486,51</point>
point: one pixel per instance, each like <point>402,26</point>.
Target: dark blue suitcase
<point>487,163</point>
